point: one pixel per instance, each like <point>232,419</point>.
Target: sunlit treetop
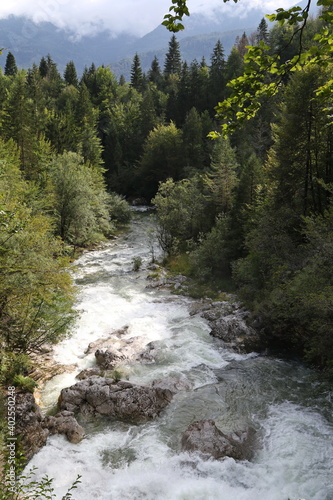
<point>264,73</point>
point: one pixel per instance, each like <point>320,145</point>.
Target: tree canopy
<point>264,72</point>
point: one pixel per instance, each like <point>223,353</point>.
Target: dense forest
<point>250,212</point>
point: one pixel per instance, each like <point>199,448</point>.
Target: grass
<point>179,264</point>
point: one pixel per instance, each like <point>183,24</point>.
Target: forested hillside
<point>253,208</point>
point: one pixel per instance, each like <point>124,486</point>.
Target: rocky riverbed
<point>100,392</point>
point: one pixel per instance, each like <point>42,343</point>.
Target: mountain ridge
<point>30,41</point>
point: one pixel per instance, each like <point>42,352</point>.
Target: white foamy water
<point>290,410</point>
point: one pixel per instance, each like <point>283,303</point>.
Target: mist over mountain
<point>29,41</point>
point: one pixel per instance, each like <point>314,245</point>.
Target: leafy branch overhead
<point>264,73</point>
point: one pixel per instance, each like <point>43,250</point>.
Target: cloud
<point>237,9</point>
<point>131,16</point>
<point>88,16</point>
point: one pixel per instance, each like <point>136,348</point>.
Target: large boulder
<point>29,424</point>
<point>107,343</point>
<point>33,428</point>
<point>65,423</point>
<point>230,328</point>
<point>231,323</point>
<point>204,437</point>
<point>121,400</point>
<point>119,348</point>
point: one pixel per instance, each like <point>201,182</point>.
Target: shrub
<point>13,364</point>
<point>119,208</point>
<point>27,384</point>
<point>137,263</point>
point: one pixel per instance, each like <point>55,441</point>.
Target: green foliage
<point>211,258</point>
<point>221,178</point>
<point>81,202</point>
<point>180,264</point>
<point>137,263</point>
<point>27,384</point>
<point>162,157</point>
<point>286,276</point>
<point>171,21</point>
<point>193,141</point>
<point>296,167</point>
<point>28,487</point>
<point>296,289</point>
<point>70,74</point>
<point>120,211</point>
<point>13,365</point>
<point>180,214</point>
<point>264,73</point>
<point>117,375</point>
<point>10,66</point>
<point>136,73</point>
<point>173,58</point>
<point>35,291</point>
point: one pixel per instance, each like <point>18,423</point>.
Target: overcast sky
<point>134,16</point>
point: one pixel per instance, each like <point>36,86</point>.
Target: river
<point>290,408</point>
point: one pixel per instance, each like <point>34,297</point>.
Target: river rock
<point>65,423</point>
<point>203,436</point>
<point>231,328</point>
<point>150,352</point>
<point>89,372</point>
<point>122,400</point>
<point>107,360</point>
<point>231,323</point>
<point>29,424</point>
<point>106,343</point>
<point>111,351</point>
<point>162,279</point>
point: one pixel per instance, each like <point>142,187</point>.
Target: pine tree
<point>179,100</point>
<point>70,74</point>
<point>173,58</point>
<point>154,74</point>
<point>84,111</point>
<point>302,167</point>
<point>262,31</point>
<point>20,125</point>
<point>222,178</point>
<point>194,83</point>
<point>89,78</point>
<point>53,82</point>
<point>234,65</point>
<point>136,73</point>
<point>10,67</point>
<point>43,67</point>
<point>217,75</point>
<point>39,98</point>
<point>193,143</point>
<point>148,113</point>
